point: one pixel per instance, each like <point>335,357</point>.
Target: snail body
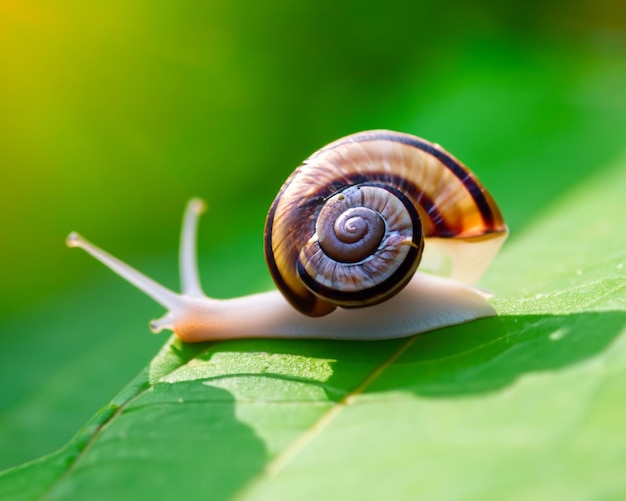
<point>343,240</point>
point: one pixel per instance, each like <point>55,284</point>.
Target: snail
<point>343,240</point>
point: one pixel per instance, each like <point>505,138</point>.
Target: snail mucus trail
<point>343,240</point>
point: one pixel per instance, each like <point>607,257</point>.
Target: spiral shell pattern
<point>348,226</point>
<point>366,245</point>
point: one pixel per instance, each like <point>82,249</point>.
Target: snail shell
<point>348,226</point>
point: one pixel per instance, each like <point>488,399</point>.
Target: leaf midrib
<point>274,466</point>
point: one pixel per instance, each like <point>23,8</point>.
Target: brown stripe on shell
<point>281,258</point>
<point>465,208</point>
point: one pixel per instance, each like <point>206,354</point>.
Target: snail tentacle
<point>189,276</point>
<point>180,307</point>
<point>162,295</point>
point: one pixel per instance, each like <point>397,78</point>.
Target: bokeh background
<point>113,114</point>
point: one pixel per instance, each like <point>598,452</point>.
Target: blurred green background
<point>113,114</point>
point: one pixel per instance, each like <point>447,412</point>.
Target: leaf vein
<point>274,467</point>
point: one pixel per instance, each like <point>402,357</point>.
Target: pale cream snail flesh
<point>343,240</point>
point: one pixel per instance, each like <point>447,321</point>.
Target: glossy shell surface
<point>412,191</point>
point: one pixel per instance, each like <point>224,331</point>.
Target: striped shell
<point>348,226</point>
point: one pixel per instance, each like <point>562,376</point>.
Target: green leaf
<point>525,405</point>
<point>104,111</point>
